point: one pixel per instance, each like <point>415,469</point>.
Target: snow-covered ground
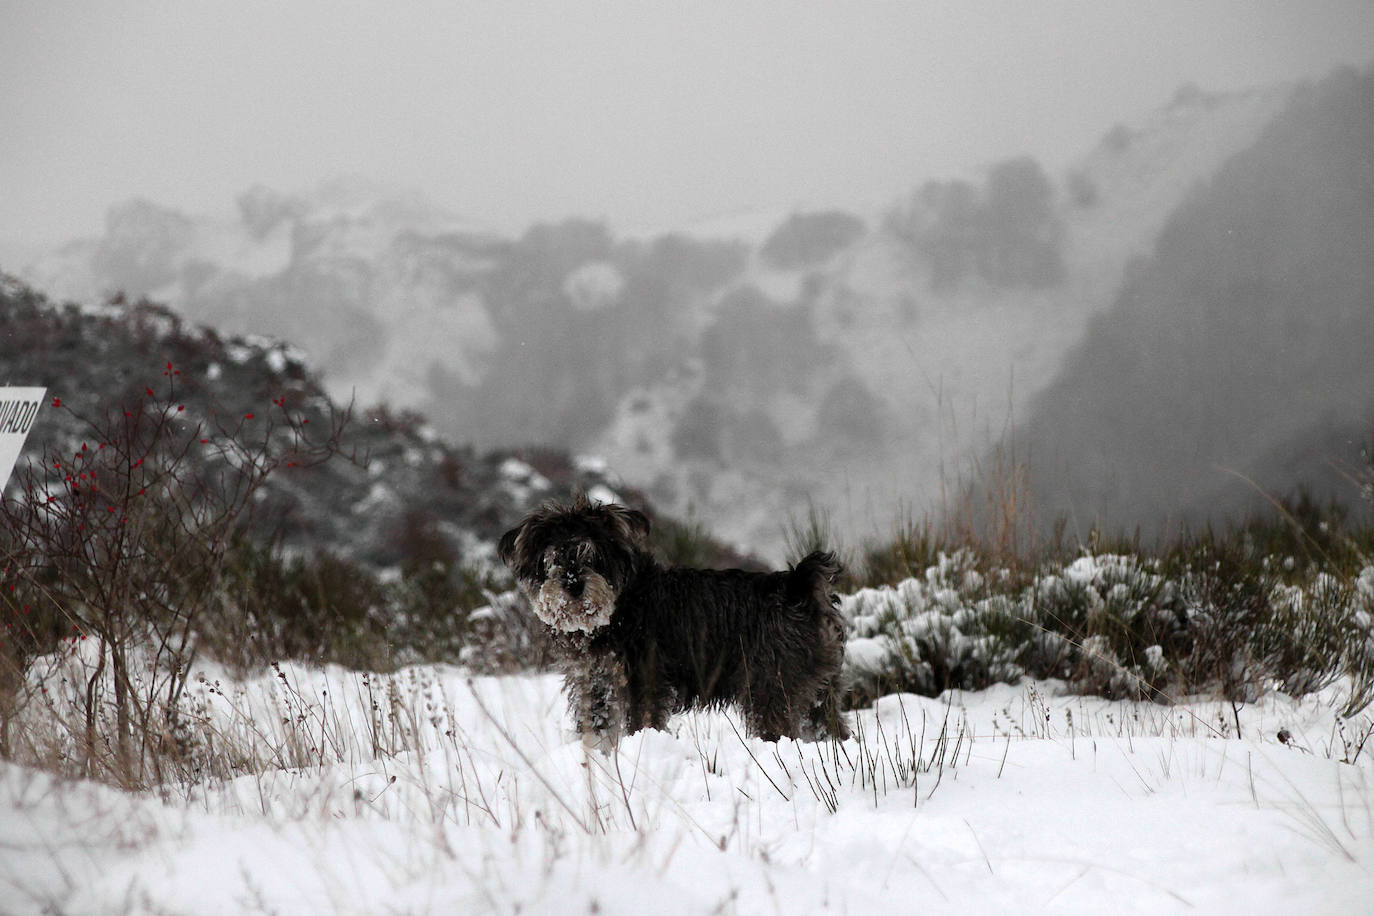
<point>430,792</point>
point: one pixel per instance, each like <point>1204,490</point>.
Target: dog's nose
<point>574,587</point>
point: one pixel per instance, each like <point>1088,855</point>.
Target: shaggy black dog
<point>641,641</point>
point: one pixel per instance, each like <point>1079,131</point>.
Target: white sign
<point>18,409</point>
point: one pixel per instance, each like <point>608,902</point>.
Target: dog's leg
<point>595,683</point>
<point>825,713</point>
<point>771,715</point>
<point>825,719</point>
<point>651,698</point>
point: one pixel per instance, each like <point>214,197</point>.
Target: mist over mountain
<point>860,362</point>
<point>1235,363</point>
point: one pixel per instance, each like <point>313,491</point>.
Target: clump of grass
<point>913,547</point>
<point>802,536</point>
<point>905,756</point>
<point>330,609</point>
<point>688,543</point>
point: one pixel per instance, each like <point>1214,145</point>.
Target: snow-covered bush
<point>1114,625</point>
<point>1105,623</point>
<point>505,635</point>
<point>926,635</point>
<point>1359,646</point>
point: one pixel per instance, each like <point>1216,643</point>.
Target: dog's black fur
<point>642,641</point>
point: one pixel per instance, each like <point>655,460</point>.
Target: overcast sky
<point>642,113</point>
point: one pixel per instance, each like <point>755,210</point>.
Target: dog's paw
<point>603,742</point>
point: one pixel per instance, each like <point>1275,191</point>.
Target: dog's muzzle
<point>573,604</point>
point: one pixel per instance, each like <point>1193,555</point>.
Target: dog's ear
<point>632,524</point>
<point>506,547</point>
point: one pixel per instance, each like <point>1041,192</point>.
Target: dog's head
<point>573,561</point>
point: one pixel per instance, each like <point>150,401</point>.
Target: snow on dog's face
<point>574,595</point>
<point>572,562</point>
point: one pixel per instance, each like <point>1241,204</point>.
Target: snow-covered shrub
<point>1303,634</point>
<point>1319,631</point>
<point>1115,625</point>
<point>505,635</point>
<point>1106,623</point>
<point>1358,662</point>
<point>926,635</point>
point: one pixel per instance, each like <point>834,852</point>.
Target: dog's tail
<point>811,584</point>
<point>814,578</point>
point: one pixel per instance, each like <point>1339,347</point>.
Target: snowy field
<point>428,792</point>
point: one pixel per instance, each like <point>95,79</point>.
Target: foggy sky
<point>644,114</point>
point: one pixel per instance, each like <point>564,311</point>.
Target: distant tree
<point>754,436</point>
<point>1020,198</point>
<point>808,239</point>
<point>850,414</point>
<point>1082,189</point>
<point>1008,233</point>
<point>673,269</point>
<point>697,434</point>
<point>757,347</point>
<point>956,234</point>
<point>141,247</point>
<point>1023,233</point>
<point>533,272</point>
<point>1119,139</point>
<point>261,209</point>
<point>569,243</point>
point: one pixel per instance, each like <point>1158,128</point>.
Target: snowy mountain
<point>1234,363</point>
<point>904,378</point>
<point>736,371</point>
